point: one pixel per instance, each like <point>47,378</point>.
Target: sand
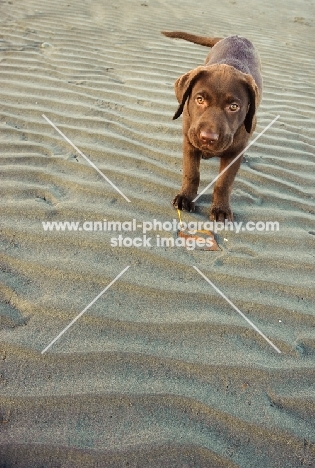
<point>160,371</point>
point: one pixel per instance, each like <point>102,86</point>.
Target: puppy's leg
<point>220,208</point>
<point>191,178</point>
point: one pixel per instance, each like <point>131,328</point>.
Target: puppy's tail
<point>201,40</point>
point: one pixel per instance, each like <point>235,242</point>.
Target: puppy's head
<point>220,99</point>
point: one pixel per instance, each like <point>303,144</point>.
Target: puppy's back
<point>239,53</point>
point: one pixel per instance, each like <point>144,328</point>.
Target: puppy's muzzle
<point>208,138</point>
<point>208,141</point>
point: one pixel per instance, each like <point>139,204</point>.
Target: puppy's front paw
<point>183,203</point>
<point>221,213</point>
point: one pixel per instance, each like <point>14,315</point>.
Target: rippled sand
<point>161,371</point>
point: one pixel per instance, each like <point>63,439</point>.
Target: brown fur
<point>219,102</point>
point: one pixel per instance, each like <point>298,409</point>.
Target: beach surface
<point>160,371</point>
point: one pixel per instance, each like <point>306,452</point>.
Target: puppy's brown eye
<point>234,107</point>
<point>200,99</point>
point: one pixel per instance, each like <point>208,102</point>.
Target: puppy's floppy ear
<point>253,93</point>
<point>183,87</point>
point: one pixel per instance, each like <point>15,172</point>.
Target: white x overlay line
<point>84,310</point>
<point>238,156</point>
<point>85,157</point>
<point>237,310</point>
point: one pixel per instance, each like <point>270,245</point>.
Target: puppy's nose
<point>208,137</point>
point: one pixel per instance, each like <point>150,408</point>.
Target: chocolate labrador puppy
<point>219,102</point>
